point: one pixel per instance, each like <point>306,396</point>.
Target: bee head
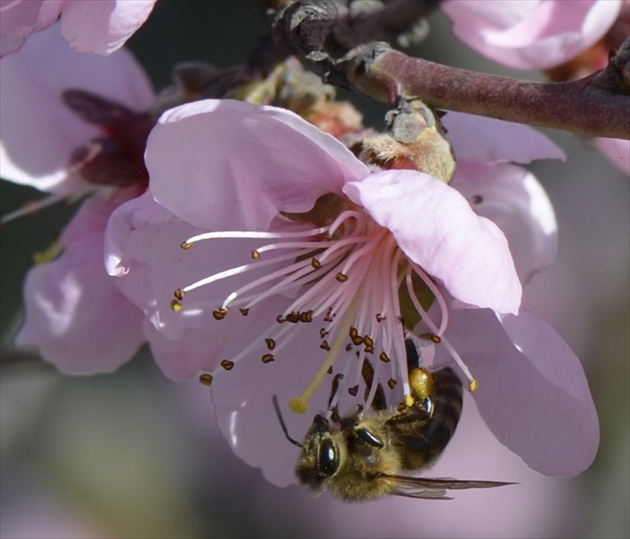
<point>320,456</point>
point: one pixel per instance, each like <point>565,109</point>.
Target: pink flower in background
<point>73,125</point>
<point>340,254</point>
<point>531,34</point>
<point>100,26</point>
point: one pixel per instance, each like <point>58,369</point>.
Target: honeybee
<point>372,453</point>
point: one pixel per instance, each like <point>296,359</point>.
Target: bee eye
<point>328,458</point>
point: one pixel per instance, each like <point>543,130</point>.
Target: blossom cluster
<point>248,247</point>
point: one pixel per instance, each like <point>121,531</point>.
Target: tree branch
<point>579,106</point>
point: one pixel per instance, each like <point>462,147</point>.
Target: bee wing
<point>436,487</point>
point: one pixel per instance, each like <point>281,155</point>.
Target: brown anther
<point>280,319</point>
<point>323,333</point>
<point>380,317</point>
<point>353,390</point>
<point>185,245</point>
<point>316,263</point>
<point>227,364</point>
<point>179,294</point>
<point>324,345</point>
<point>293,317</point>
<point>244,311</point>
<point>436,339</point>
<point>205,379</point>
<point>219,314</point>
<point>341,277</point>
<point>255,255</point>
<point>355,337</point>
<point>368,341</point>
<point>477,199</point>
<point>391,383</point>
<point>176,306</point>
<point>271,344</point>
<point>348,347</point>
<point>384,357</point>
<point>329,371</point>
<point>267,358</point>
<point>401,407</point>
<point>306,316</point>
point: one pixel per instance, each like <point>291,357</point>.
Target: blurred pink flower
<point>89,26</point>
<point>341,255</point>
<point>70,146</point>
<point>531,34</point>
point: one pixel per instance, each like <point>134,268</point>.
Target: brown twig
<point>309,30</point>
<point>578,106</point>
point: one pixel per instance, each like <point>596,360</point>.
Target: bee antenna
<point>274,399</point>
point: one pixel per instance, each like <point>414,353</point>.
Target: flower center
<point>352,278</point>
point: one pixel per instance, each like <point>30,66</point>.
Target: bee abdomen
<point>427,439</point>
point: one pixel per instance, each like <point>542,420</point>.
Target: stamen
<point>32,207</point>
<point>253,235</point>
<point>299,405</point>
<point>472,385</point>
<point>205,379</point>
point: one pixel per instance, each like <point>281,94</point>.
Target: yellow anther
<point>436,339</point>
<point>267,358</point>
<point>472,386</point>
<point>219,314</point>
<point>176,306</point>
<point>341,277</point>
<point>185,245</point>
<point>179,294</point>
<point>316,263</point>
<point>205,379</point>
<point>409,400</point>
<point>255,255</point>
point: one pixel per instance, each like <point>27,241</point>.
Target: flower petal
<point>21,18</point>
<point>435,226</point>
<point>491,141</point>
<point>514,200</point>
<point>74,313</point>
<point>531,34</point>
<point>38,131</point>
<point>103,26</point>
<point>616,150</point>
<point>229,165</point>
<point>532,390</point>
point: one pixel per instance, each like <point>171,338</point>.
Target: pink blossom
<point>74,313</point>
<point>531,34</point>
<point>89,26</point>
<point>340,255</point>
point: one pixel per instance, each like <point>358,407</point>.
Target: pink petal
<point>491,141</point>
<point>531,34</point>
<point>436,227</point>
<point>21,18</point>
<point>532,390</point>
<point>74,314</point>
<point>236,165</point>
<point>38,130</point>
<point>103,26</point>
<point>516,202</point>
<point>616,150</point>
<point>143,252</point>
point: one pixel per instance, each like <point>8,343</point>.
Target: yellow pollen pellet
<point>341,277</point>
<point>205,379</point>
<point>176,306</point>
<point>185,245</point>
<point>227,364</point>
<point>179,294</point>
<point>421,382</point>
<point>267,358</point>
<point>219,314</point>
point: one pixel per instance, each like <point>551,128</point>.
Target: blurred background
<point>131,455</point>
